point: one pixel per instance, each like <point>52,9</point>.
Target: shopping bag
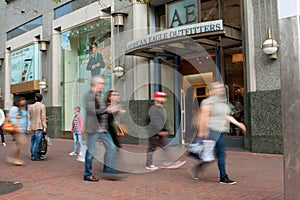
<point>81,158</point>
<point>43,145</point>
<point>202,149</point>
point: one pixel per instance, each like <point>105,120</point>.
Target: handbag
<point>7,126</point>
<point>43,146</point>
<point>121,129</point>
<point>202,149</point>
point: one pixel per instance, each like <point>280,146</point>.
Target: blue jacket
<point>22,121</point>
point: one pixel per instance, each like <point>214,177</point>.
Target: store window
<point>86,51</point>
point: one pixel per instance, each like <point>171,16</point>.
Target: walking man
<point>158,133</point>
<point>96,129</point>
<point>37,118</point>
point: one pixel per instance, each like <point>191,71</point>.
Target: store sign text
<point>187,30</point>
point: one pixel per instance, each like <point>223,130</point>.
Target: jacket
<point>37,116</point>
<point>94,114</point>
<point>79,124</point>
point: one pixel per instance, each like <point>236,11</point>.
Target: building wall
<point>262,97</point>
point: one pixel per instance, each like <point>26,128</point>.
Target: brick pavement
<point>258,176</point>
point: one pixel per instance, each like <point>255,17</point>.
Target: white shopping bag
<point>81,158</point>
<point>208,151</point>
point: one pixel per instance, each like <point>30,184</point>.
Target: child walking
<point>77,129</point>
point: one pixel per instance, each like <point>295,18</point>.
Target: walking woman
<point>113,98</point>
<point>214,123</point>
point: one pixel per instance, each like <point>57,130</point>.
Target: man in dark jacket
<point>96,128</point>
<point>158,133</point>
<point>95,62</point>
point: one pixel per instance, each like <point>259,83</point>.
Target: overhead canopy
<point>164,42</point>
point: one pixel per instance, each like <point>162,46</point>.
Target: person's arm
<point>235,122</point>
<point>89,64</point>
<point>44,120</point>
<point>80,124</point>
<point>13,115</point>
<point>101,61</point>
<point>203,120</point>
<point>157,121</point>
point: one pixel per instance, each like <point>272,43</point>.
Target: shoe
<point>19,163</point>
<point>43,157</point>
<point>193,174</point>
<point>91,178</point>
<point>151,167</point>
<point>113,177</point>
<point>174,165</point>
<point>226,180</point>
<point>73,153</point>
<point>3,144</point>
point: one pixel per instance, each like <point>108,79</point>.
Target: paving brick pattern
<point>60,176</point>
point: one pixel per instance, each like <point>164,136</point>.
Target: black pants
<point>2,135</point>
<point>154,142</point>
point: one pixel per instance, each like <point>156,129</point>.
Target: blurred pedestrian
<point>113,98</point>
<point>77,130</point>
<point>214,124</point>
<point>2,118</point>
<point>157,129</point>
<point>38,126</point>
<point>19,116</point>
<point>97,130</point>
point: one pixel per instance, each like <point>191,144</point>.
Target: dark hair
<point>109,93</point>
<point>17,102</point>
<point>38,97</point>
<point>95,44</point>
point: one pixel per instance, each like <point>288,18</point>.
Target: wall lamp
<point>119,18</point>
<point>43,85</point>
<point>270,46</point>
<point>43,45</point>
<point>119,71</point>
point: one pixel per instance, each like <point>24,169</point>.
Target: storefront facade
<point>175,46</point>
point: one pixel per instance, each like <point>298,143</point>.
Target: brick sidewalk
<point>60,176</point>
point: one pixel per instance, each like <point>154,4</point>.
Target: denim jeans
<point>110,156</point>
<point>220,150</point>
<point>77,138</point>
<point>35,143</point>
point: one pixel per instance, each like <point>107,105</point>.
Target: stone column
<point>263,88</point>
<point>289,17</point>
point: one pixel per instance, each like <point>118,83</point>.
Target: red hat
<point>159,94</point>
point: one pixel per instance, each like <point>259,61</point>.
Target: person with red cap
<point>158,133</point>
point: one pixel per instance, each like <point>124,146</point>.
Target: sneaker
<point>226,180</point>
<point>151,167</point>
<point>174,165</point>
<point>43,157</point>
<point>3,144</point>
<point>193,174</point>
<point>73,153</point>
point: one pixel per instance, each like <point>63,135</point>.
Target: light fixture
<point>119,71</point>
<point>43,85</point>
<point>119,18</point>
<point>270,46</point>
<point>43,45</point>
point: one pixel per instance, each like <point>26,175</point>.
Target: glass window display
<point>86,52</point>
